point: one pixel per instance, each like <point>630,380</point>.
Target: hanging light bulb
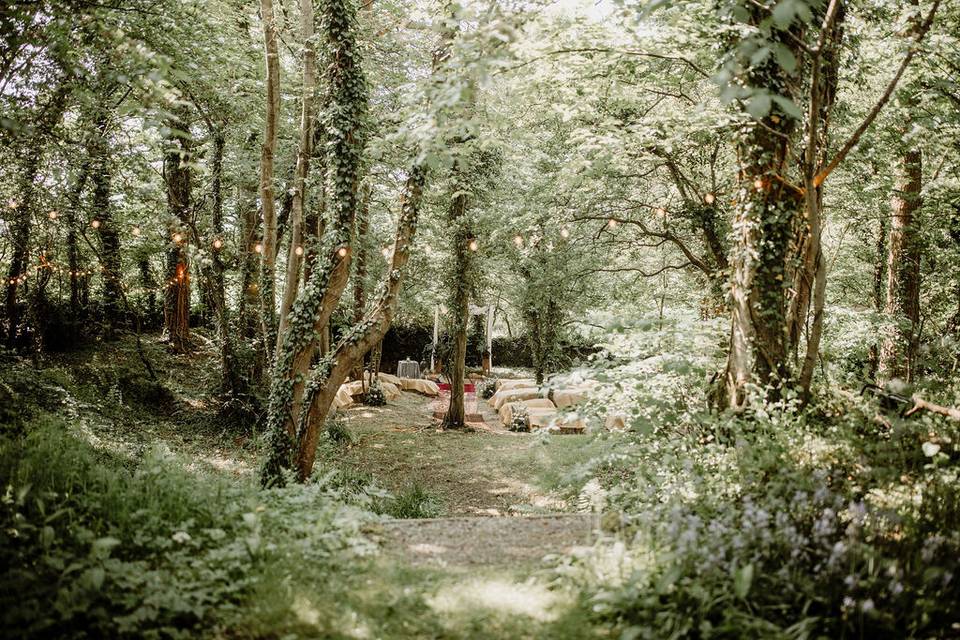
<point>177,238</point>
<point>12,203</point>
<point>518,240</point>
<point>298,251</point>
<point>52,215</point>
<point>661,211</point>
<point>709,198</point>
<point>95,224</point>
<point>386,252</point>
<point>258,248</point>
<point>342,252</point>
<point>564,233</point>
<point>758,184</point>
<point>474,245</point>
<point>611,223</point>
<point>218,243</point>
<point>135,231</point>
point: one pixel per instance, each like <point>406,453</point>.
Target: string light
<point>12,203</point>
<point>661,211</point>
<point>709,198</point>
<point>258,248</point>
<point>564,233</point>
<point>95,224</point>
<point>298,251</point>
<point>518,240</point>
<point>135,231</point>
<point>177,238</point>
<point>342,252</point>
<point>217,243</point>
<point>758,184</point>
<point>52,215</point>
<point>474,245</point>
<point>612,223</point>
<point>386,252</point>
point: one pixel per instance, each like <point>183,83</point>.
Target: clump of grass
<point>413,501</point>
<point>337,431</point>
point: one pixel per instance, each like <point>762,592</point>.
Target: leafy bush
<point>805,526</point>
<point>487,388</point>
<point>414,501</point>
<point>520,420</point>
<point>375,396</point>
<point>88,548</point>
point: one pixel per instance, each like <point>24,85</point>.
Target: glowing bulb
<point>12,203</point>
<point>177,238</point>
<point>758,184</point>
<point>135,231</point>
<point>258,248</point>
<point>564,233</point>
<point>386,252</point>
<point>298,251</point>
<point>611,223</point>
<point>474,245</point>
<point>95,224</point>
<point>709,198</point>
<point>661,211</point>
<point>52,215</point>
<point>342,252</point>
<point>218,243</point>
<point>518,240</point>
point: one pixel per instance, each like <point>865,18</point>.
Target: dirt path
<point>487,541</point>
<point>486,471</point>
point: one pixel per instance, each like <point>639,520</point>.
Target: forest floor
<point>478,480</point>
<point>481,566</point>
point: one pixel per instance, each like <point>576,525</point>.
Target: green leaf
<point>742,579</point>
<point>759,105</point>
<point>788,107</point>
<point>785,58</point>
<point>784,12</point>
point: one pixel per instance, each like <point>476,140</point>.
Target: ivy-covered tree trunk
<point>267,152</point>
<point>460,277</point>
<point>903,270</point>
<point>107,227</point>
<point>21,223</point>
<point>295,255</point>
<point>177,173</point>
<point>73,217</point>
<point>360,268</point>
<point>879,288</point>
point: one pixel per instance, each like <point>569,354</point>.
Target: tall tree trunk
<point>230,382</point>
<point>267,153</point>
<point>107,229</point>
<point>73,217</point>
<point>22,219</point>
<point>879,288</point>
<point>903,270</point>
<point>248,312</point>
<point>360,270</point>
<point>460,300</point>
<point>305,152</point>
<point>177,173</point>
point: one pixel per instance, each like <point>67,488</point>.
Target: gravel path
<point>487,541</point>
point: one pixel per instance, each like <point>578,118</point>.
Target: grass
<point>472,473</point>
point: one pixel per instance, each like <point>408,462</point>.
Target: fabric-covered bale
<point>506,385</point>
<point>506,411</point>
<point>567,397</point>
<point>390,390</point>
<point>615,422</point>
<point>500,398</point>
<point>343,399</point>
<point>385,377</point>
<point>421,386</point>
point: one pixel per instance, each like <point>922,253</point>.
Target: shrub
<point>414,501</point>
<point>487,388</point>
<point>375,396</point>
<point>520,420</point>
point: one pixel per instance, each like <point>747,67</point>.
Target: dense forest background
<point>739,220</point>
